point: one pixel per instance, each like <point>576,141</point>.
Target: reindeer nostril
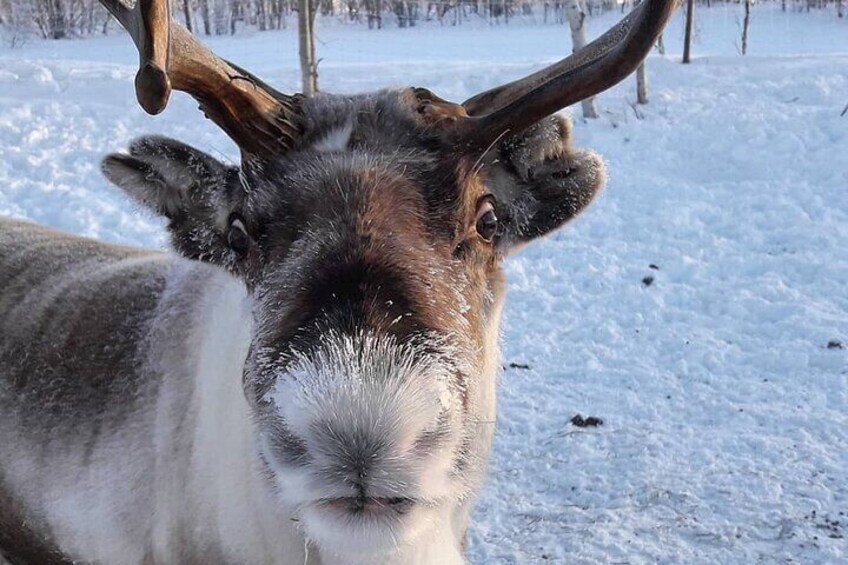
<point>562,174</point>
<point>399,505</point>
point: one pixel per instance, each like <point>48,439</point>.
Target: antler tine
<point>149,25</point>
<point>262,121</point>
<point>600,65</point>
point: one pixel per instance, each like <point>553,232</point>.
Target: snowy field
<point>725,434</point>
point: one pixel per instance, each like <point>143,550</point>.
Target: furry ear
<point>541,182</point>
<point>143,183</point>
<point>165,175</point>
<point>197,193</point>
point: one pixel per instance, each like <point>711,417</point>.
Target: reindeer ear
<point>541,182</point>
<point>196,192</point>
<point>165,175</point>
<point>146,185</point>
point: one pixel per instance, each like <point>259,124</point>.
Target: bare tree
<point>576,20</point>
<point>745,23</point>
<point>52,19</point>
<point>306,35</point>
<point>641,78</point>
<point>187,11</point>
<point>261,16</point>
<point>73,18</point>
<point>219,15</point>
<point>278,13</point>
<point>406,12</point>
<point>687,37</point>
<point>204,13</point>
<point>641,84</point>
<point>374,9</point>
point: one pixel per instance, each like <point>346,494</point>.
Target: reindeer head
<point>369,231</point>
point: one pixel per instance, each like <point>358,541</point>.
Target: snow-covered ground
<point>725,435</point>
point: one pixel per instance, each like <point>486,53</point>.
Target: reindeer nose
<point>368,469</point>
<point>355,439</point>
<point>365,422</point>
<point>376,454</point>
<point>354,464</point>
<point>352,455</point>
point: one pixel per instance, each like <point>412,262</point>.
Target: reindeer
<point>311,377</point>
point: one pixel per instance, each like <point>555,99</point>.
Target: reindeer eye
<point>487,221</point>
<point>237,238</point>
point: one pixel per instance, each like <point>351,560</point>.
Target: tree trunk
<point>306,33</point>
<point>187,11</point>
<point>641,85</point>
<point>576,19</point>
<point>641,77</point>
<point>204,13</point>
<point>58,23</point>
<point>260,15</point>
<point>234,15</point>
<point>745,23</point>
<point>219,14</point>
<point>687,37</point>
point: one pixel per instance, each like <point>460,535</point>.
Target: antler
<point>597,67</point>
<point>261,120</point>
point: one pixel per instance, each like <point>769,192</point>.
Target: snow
<point>725,434</point>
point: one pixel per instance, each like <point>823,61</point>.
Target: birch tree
<point>641,85</point>
<point>641,78</point>
<point>576,21</point>
<point>306,36</point>
<point>687,35</point>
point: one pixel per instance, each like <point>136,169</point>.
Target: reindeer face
<point>372,254</point>
<point>369,232</point>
